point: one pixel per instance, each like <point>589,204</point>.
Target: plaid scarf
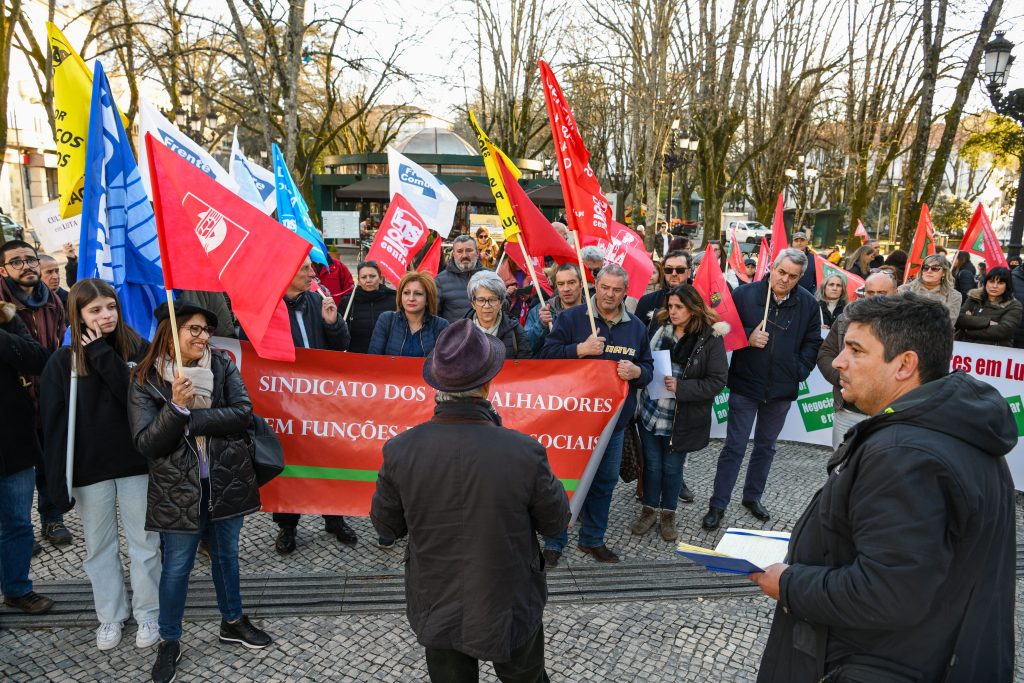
<point>656,415</point>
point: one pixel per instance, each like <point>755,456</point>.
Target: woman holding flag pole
<point>189,412</point>
<point>106,470</point>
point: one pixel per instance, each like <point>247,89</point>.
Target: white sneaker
<point>108,636</point>
<point>148,634</point>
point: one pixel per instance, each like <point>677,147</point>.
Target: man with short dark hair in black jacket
<point>315,324</point>
<point>676,271</point>
<point>764,377</point>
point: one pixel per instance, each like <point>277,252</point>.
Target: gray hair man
<point>495,487</point>
<point>902,567</point>
<point>847,415</point>
<point>764,378</point>
<point>620,337</point>
<point>593,258</point>
<point>568,282</point>
<point>452,282</point>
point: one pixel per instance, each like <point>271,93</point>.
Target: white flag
<point>431,198</point>
<point>152,121</point>
<point>256,184</point>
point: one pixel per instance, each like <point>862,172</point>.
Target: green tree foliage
<point>951,214</point>
<point>1000,142</point>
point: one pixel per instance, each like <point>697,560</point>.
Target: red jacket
<point>335,277</point>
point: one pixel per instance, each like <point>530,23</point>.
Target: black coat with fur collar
<point>166,437</point>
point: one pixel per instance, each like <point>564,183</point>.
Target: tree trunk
<point>8,22</point>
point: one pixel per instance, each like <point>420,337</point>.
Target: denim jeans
<point>16,536</point>
<point>771,416</point>
<point>180,555</point>
<point>97,506</point>
<point>663,471</point>
<point>594,513</point>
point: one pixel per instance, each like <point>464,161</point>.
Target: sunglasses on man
<point>676,270</point>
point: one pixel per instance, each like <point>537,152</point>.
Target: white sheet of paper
<point>662,369</point>
<point>754,545</point>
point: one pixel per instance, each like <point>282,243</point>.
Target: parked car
<point>748,231</point>
<point>10,229</point>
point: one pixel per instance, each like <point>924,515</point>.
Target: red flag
<point>823,270</point>
<point>541,239</point>
<point>764,261</point>
<point>710,282</point>
<point>626,248</point>
<point>861,232</point>
<point>736,259</point>
<point>585,204</point>
<point>779,241</point>
<point>431,261</point>
<point>980,239</point>
<point>514,250</point>
<point>402,233</point>
<point>212,240</point>
<point>924,244</point>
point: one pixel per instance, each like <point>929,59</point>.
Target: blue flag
<point>292,211</point>
<point>118,239</point>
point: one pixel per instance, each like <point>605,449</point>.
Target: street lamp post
<point>998,59</point>
<point>678,155</point>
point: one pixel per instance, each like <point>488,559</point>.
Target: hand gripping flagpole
<point>583,274</point>
<point>533,274</point>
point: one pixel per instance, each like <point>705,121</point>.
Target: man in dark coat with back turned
<point>472,495</point>
<point>902,567</point>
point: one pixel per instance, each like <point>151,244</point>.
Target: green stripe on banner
<point>341,474</point>
<point>309,472</point>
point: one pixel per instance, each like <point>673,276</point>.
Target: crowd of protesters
<point>167,444</point>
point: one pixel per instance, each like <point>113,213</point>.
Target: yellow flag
<point>492,157</point>
<point>72,93</point>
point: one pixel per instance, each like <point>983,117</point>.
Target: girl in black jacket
<point>672,427</point>
<point>369,299</point>
<point>190,423</point>
<point>107,472</point>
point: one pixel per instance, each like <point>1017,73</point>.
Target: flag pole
<point>348,307</point>
<point>69,449</point>
<point>583,274</point>
<point>533,273</point>
<point>767,302</point>
<point>161,237</point>
<point>174,329</point>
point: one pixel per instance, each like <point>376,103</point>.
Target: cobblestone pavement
<point>668,640</point>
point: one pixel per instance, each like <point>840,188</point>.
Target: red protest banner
<point>334,411</point>
<point>402,233</point>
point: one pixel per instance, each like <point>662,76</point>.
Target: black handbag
<point>631,467</point>
<point>267,452</point>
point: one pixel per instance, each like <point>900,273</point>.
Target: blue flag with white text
<point>118,242</point>
<point>292,211</point>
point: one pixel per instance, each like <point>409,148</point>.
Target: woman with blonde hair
<point>935,281</point>
<point>487,248</point>
<point>831,296</point>
<point>859,262</point>
<point>413,328</point>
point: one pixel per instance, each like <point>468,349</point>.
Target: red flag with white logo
<point>402,233</point>
<point>824,270</point>
<point>212,240</point>
<point>626,248</point>
<point>710,282</point>
<point>586,208</point>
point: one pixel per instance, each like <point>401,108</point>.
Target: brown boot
<point>668,525</point>
<point>643,524</point>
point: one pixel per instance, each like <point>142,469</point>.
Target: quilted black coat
<point>167,439</point>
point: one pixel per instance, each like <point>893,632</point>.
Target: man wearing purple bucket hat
<point>472,496</point>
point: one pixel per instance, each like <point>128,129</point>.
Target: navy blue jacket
<point>794,335</point>
<point>625,341</point>
<point>809,280</point>
<point>393,327</point>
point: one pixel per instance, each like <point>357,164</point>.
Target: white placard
<point>340,225</point>
<point>662,369</point>
<point>53,232</point>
